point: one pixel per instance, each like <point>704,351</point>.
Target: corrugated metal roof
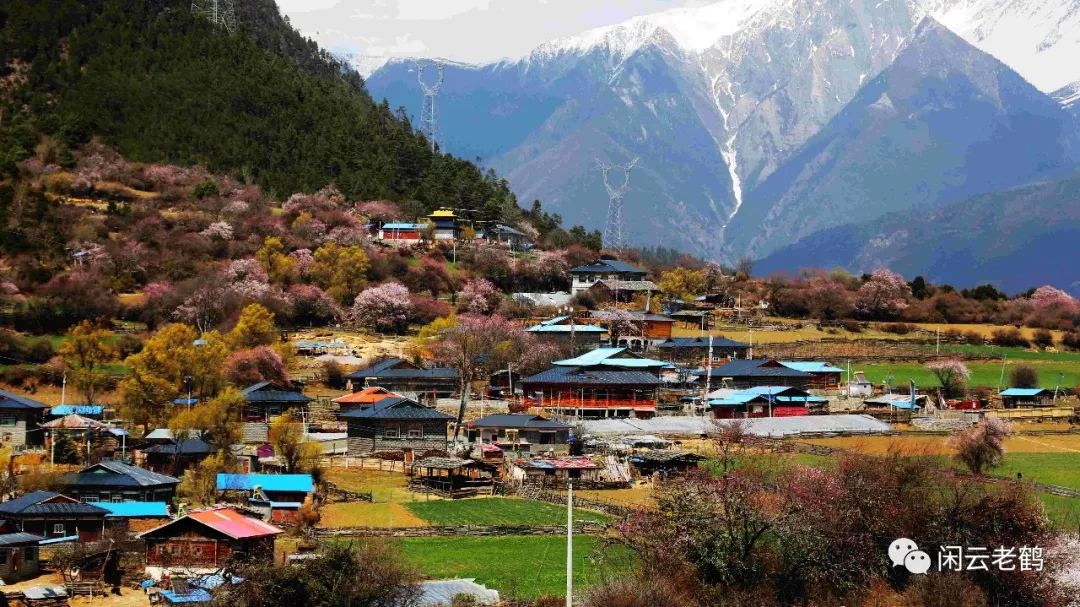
<point>74,422</point>
<point>133,509</point>
<point>293,483</point>
<point>186,446</point>
<point>608,266</point>
<point>441,593</point>
<point>741,367</point>
<point>702,342</point>
<point>226,521</point>
<point>811,366</point>
<point>396,368</point>
<point>1024,391</point>
<point>401,226</point>
<point>18,539</point>
<point>566,329</point>
<point>142,476</point>
<point>609,356</point>
<point>396,407</point>
<point>9,400</point>
<point>629,285</point>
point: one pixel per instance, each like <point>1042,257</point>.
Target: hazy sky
<point>474,31</point>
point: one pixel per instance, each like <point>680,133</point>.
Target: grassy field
<point>498,512</point>
<point>362,514</point>
<point>1049,468</point>
<point>521,566</point>
<point>384,486</point>
<point>810,331</point>
<point>983,373</point>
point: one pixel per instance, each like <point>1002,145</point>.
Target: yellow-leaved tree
<point>291,447</point>
<point>86,353</point>
<point>255,327</point>
<point>340,271</point>
<point>272,257</point>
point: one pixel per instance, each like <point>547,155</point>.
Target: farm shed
<point>204,541</point>
<point>451,477</point>
<point>665,462</point>
<point>1012,398</point>
<point>19,556</point>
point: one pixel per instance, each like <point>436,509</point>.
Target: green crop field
<point>517,566</point>
<point>1049,468</point>
<point>986,374</point>
<point>497,511</point>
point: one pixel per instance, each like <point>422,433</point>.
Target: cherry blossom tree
<point>1051,297</point>
<point>311,305</point>
<point>983,445</point>
<point>385,308</point>
<point>479,296</point>
<point>951,373</point>
<point>219,230</point>
<point>883,296</point>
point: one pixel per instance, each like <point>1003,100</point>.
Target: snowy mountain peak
<point>693,29</point>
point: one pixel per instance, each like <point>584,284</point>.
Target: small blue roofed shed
<point>91,411</point>
<point>1026,397</point>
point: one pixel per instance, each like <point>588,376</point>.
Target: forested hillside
<point>162,85</point>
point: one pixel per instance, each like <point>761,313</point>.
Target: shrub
<point>851,326</point>
<point>1010,337</point>
<point>1043,338</point>
<point>982,446</point>
<point>897,328</point>
<point>1071,340</point>
<point>333,374</point>
<point>1024,376</point>
<point>205,189</point>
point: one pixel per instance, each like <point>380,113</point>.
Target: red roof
<point>367,396</point>
<point>228,522</point>
<point>233,524</point>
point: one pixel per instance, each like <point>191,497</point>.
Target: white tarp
<point>763,426</point>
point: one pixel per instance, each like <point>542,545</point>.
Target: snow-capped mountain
<point>741,112</point>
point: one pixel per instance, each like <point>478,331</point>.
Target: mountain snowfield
<point>739,111</point>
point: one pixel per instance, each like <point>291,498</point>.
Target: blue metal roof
<point>1023,391</point>
<point>133,509</point>
<point>401,226</point>
<point>555,321</point>
<point>185,402</point>
<point>62,410</point>
<point>293,483</point>
<point>811,366</point>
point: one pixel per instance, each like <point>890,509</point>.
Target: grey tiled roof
<point>396,408</point>
<point>577,375</point>
<point>396,368</point>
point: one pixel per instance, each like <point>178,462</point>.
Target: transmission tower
<point>218,12</point>
<point>613,231</point>
<point>431,90</point>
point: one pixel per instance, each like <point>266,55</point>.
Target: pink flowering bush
<point>384,308</point>
<point>1052,297</point>
<point>219,230</point>
<point>379,210</point>
<point>258,364</point>
<point>303,258</point>
<point>952,374</point>
<point>312,306</point>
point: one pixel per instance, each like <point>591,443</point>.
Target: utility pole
<point>708,375</point>
<point>569,543</point>
<point>613,230</point>
<point>1057,387</point>
<point>427,108</point>
<point>1001,378</point>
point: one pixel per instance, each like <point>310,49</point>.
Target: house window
<point>390,431</point>
<point>30,554</point>
<point>8,420</point>
<point>88,498</point>
<point>511,436</point>
<point>117,498</point>
<point>416,431</point>
<point>4,558</point>
<point>58,529</point>
<point>196,550</point>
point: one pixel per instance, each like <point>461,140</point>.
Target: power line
<point>613,229</point>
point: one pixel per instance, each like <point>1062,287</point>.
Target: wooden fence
<point>467,530</point>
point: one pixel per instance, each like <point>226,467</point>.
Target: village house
<point>364,398</point>
<point>556,472</point>
<point>860,386</point>
<point>176,455</point>
<point>762,401</point>
<point>451,477</point>
<point>19,556</point>
<point>750,373</point>
<point>277,496</point>
<point>584,277</point>
<point>504,235</point>
<point>445,224</point>
<point>521,432</point>
<point>396,424</point>
<point>638,330</point>
<point>823,376</point>
<point>19,420</point>
<point>568,334</point>
<point>892,403</point>
<point>113,481</point>
<point>205,541</point>
<point>52,515</point>
<point>265,401</point>
<point>606,382</point>
<point>399,375</point>
<point>623,291</point>
<point>401,233</point>
<point>1012,398</point>
<point>695,350</point>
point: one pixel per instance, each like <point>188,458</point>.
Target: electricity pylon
<point>613,230</point>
